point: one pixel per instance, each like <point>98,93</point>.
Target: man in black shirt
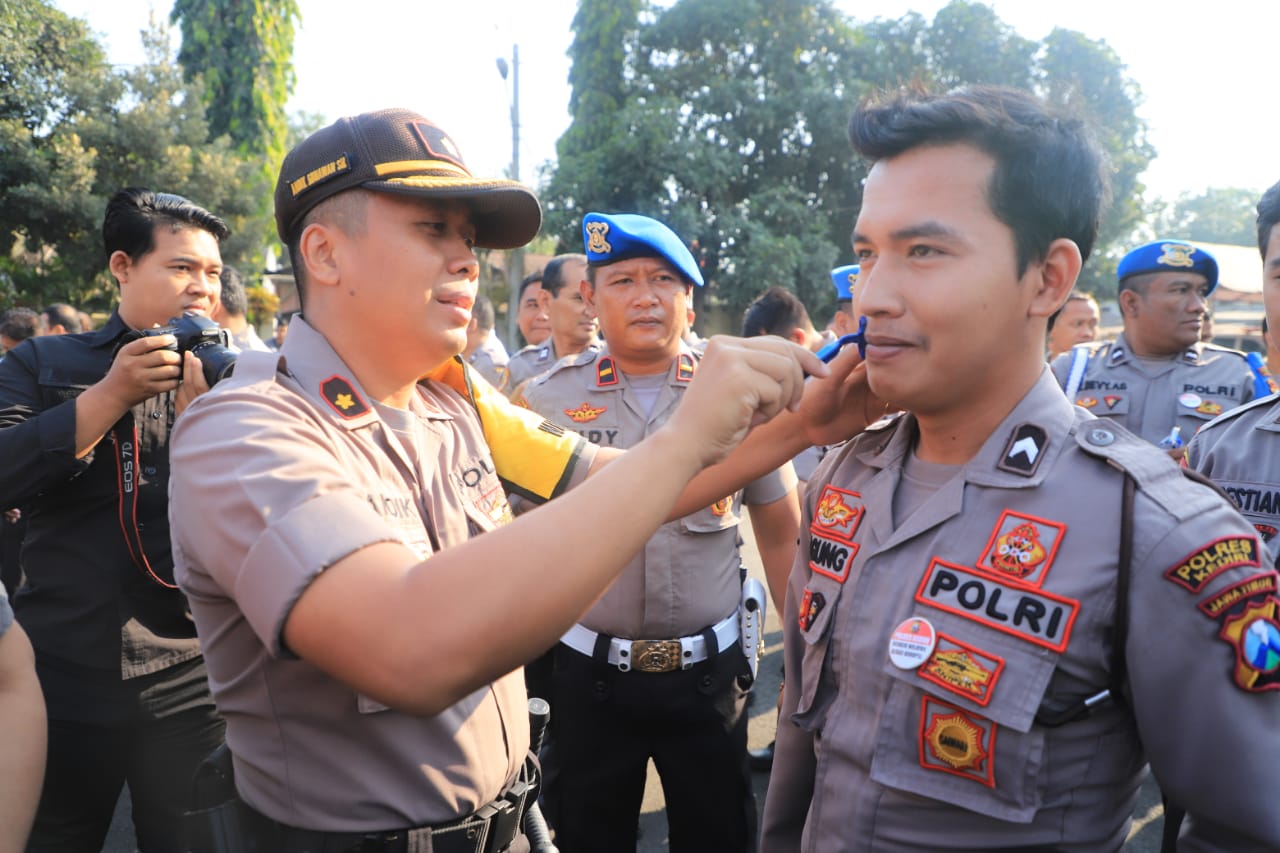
<point>84,432</point>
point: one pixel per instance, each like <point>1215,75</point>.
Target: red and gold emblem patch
<point>1087,402</point>
<point>954,742</point>
<point>963,670</point>
<point>838,513</point>
<point>1208,407</point>
<point>721,507</point>
<point>585,413</point>
<point>1111,400</point>
<point>1022,547</point>
<point>810,607</point>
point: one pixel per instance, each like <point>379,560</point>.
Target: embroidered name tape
<point>1020,611</point>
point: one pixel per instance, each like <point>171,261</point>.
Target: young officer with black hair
<point>1004,607</point>
<point>84,431</point>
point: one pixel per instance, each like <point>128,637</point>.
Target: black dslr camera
<point>205,339</point>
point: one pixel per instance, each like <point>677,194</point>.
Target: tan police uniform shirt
<point>686,578</point>
<point>1188,391</point>
<point>1240,451</point>
<point>281,471</point>
<point>1013,563</point>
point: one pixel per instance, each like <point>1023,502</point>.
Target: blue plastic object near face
<point>859,337</point>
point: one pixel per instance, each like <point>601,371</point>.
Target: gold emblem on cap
<point>853,279</point>
<point>596,232</point>
<point>1176,255</point>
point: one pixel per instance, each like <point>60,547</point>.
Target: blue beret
<point>610,238</point>
<point>1169,256</point>
<point>844,278</point>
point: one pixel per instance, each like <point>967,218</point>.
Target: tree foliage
<point>241,53</point>
<point>1227,215</point>
<point>727,120</point>
<point>73,132</point>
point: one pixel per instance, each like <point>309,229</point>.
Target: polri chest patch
<point>1013,608</point>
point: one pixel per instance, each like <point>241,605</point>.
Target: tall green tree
<point>73,132</point>
<point>1217,215</point>
<point>603,51</point>
<point>242,53</point>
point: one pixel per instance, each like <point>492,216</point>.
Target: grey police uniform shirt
<point>1240,452</point>
<point>281,471</point>
<point>490,361</point>
<point>528,363</point>
<point>686,578</point>
<point>1013,563</point>
<point>1187,391</point>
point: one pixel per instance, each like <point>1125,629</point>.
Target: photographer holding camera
<point>84,431</point>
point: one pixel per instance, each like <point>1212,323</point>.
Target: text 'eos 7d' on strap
<point>124,435</point>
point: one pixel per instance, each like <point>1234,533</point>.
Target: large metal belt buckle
<point>655,655</point>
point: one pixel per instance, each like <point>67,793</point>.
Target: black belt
<point>491,829</point>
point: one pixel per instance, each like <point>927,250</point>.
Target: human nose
<point>464,261</point>
<point>876,292</point>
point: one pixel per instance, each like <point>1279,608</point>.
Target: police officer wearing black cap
<point>341,525</point>
<point>1158,378</point>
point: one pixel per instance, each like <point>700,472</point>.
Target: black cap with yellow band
<point>399,151</point>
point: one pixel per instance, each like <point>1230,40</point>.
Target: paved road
<point>1144,837</point>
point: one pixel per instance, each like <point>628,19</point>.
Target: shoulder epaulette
<point>1151,469</point>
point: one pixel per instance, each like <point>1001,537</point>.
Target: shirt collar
<point>1018,453</point>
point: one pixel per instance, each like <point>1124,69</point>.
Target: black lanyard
<point>124,435</point>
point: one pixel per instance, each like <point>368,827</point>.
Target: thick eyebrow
<point>923,229</point>
<point>185,259</point>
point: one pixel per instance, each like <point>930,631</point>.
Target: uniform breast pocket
<point>1203,408</point>
<point>960,726</point>
<point>816,616</point>
<point>57,386</point>
<point>721,515</point>
<point>595,423</point>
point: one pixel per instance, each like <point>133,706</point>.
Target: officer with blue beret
<point>1158,378</point>
<point>845,320</point>
<point>657,668</point>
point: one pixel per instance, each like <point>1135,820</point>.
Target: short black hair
<point>134,213</point>
<point>62,314</point>
<point>531,278</point>
<point>19,324</point>
<point>234,300</point>
<point>1049,180</point>
<point>552,280</point>
<point>1268,216</point>
<point>777,311</point>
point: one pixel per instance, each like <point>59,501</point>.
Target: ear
<point>119,264</point>
<point>588,293</point>
<point>1054,277</point>
<point>319,248</point>
<point>797,336</point>
<point>1128,300</point>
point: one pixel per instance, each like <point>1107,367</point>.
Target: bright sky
<point>1206,71</point>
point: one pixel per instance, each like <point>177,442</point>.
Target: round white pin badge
<point>1190,399</point>
<point>912,643</point>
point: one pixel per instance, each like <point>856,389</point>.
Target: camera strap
<point>124,436</point>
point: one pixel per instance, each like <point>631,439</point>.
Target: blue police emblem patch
<point>1255,634</point>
